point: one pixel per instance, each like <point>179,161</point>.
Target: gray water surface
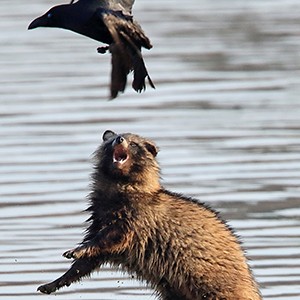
<point>225,114</point>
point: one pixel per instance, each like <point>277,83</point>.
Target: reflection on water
<point>225,115</point>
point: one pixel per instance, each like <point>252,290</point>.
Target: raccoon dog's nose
<point>119,140</point>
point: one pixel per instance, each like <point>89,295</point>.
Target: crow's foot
<point>103,50</point>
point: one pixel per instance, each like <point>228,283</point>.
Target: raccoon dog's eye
<point>133,144</point>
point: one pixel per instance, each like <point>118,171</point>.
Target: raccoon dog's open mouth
<point>120,154</point>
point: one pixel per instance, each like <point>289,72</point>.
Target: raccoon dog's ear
<point>108,134</point>
<point>151,147</point>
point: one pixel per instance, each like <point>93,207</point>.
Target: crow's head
<point>54,17</point>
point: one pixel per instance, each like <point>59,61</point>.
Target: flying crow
<point>110,22</point>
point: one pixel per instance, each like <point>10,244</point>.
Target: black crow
<point>110,22</point>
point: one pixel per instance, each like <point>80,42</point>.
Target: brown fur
<point>183,249</point>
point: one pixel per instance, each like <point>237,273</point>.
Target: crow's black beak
<point>38,22</point>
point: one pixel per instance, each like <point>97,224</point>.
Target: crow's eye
<point>49,15</point>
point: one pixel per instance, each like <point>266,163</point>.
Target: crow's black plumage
<point>110,22</point>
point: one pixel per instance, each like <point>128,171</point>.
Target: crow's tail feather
<point>121,66</point>
<point>138,65</point>
<point>140,73</point>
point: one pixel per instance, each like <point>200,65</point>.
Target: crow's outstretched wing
<point>128,39</point>
<point>124,29</point>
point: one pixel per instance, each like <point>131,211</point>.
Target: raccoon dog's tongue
<point>120,154</point>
